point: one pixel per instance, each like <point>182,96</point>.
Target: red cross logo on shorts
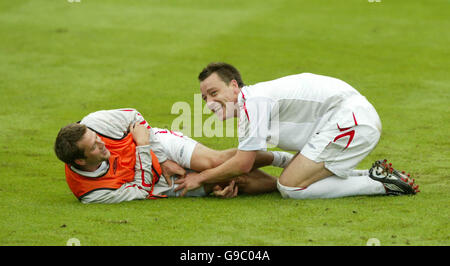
<point>350,133</point>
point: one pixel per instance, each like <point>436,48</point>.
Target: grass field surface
<point>60,60</point>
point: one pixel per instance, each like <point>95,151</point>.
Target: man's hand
<point>229,191</point>
<point>170,168</point>
<point>141,134</point>
<point>190,182</point>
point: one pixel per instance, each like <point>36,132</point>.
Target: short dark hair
<point>225,71</point>
<point>66,148</point>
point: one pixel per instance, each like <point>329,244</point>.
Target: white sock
<point>281,158</point>
<point>356,172</point>
<point>334,187</point>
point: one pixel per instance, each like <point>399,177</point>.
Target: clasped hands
<point>190,181</point>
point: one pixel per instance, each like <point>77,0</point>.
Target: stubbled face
<point>221,98</point>
<point>94,149</point>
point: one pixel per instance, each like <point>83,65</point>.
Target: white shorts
<point>178,148</point>
<point>350,134</point>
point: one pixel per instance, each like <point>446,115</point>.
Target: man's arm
<point>241,163</point>
<point>126,192</point>
<point>113,123</point>
<point>143,166</point>
<point>116,123</point>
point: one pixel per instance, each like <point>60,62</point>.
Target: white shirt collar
<point>103,169</point>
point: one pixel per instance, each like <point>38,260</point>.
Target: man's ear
<point>80,161</point>
<point>234,83</point>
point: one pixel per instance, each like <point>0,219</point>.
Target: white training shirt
<point>287,111</point>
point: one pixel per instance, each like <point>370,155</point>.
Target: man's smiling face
<point>220,97</point>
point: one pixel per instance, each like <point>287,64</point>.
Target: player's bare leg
<point>205,158</point>
<point>302,172</point>
<point>256,182</point>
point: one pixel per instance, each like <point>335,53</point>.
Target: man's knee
<point>302,172</point>
<point>294,192</point>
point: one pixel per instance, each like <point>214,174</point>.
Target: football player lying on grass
<point>112,156</point>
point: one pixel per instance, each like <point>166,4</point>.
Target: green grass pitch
<point>60,60</point>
